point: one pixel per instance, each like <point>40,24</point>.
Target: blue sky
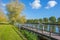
<point>35,9</point>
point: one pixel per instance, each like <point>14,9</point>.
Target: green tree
<point>27,21</point>
<point>35,21</point>
<point>58,20</point>
<point>30,21</point>
<point>40,20</point>
<point>52,19</point>
<point>45,20</point>
<point>14,11</point>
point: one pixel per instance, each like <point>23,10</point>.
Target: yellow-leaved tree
<point>21,19</point>
<point>14,10</point>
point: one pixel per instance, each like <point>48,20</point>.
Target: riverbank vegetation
<point>29,35</point>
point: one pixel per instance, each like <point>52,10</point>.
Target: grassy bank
<point>8,33</point>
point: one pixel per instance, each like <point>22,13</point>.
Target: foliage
<point>40,20</point>
<point>21,19</point>
<point>45,20</point>
<point>29,35</point>
<point>35,21</point>
<point>58,20</point>
<point>52,19</point>
<point>32,21</point>
<point>3,18</point>
<point>14,11</point>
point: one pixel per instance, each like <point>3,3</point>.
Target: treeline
<point>51,19</point>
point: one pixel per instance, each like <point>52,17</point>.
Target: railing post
<point>43,29</point>
<point>50,30</point>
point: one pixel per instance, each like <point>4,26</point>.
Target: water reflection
<point>46,27</point>
<point>41,27</point>
<point>59,29</point>
<point>50,28</point>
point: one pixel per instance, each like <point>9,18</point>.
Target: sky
<point>35,9</point>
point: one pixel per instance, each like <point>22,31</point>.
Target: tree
<point>30,21</point>
<point>40,20</point>
<point>45,20</point>
<point>58,20</point>
<point>14,11</point>
<point>21,19</point>
<point>35,21</point>
<point>27,21</point>
<point>52,19</point>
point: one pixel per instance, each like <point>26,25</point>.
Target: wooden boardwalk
<point>48,34</point>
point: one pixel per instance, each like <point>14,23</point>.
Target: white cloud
<point>51,4</point>
<point>36,4</point>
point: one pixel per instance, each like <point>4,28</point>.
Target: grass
<point>8,33</point>
<point>29,35</point>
